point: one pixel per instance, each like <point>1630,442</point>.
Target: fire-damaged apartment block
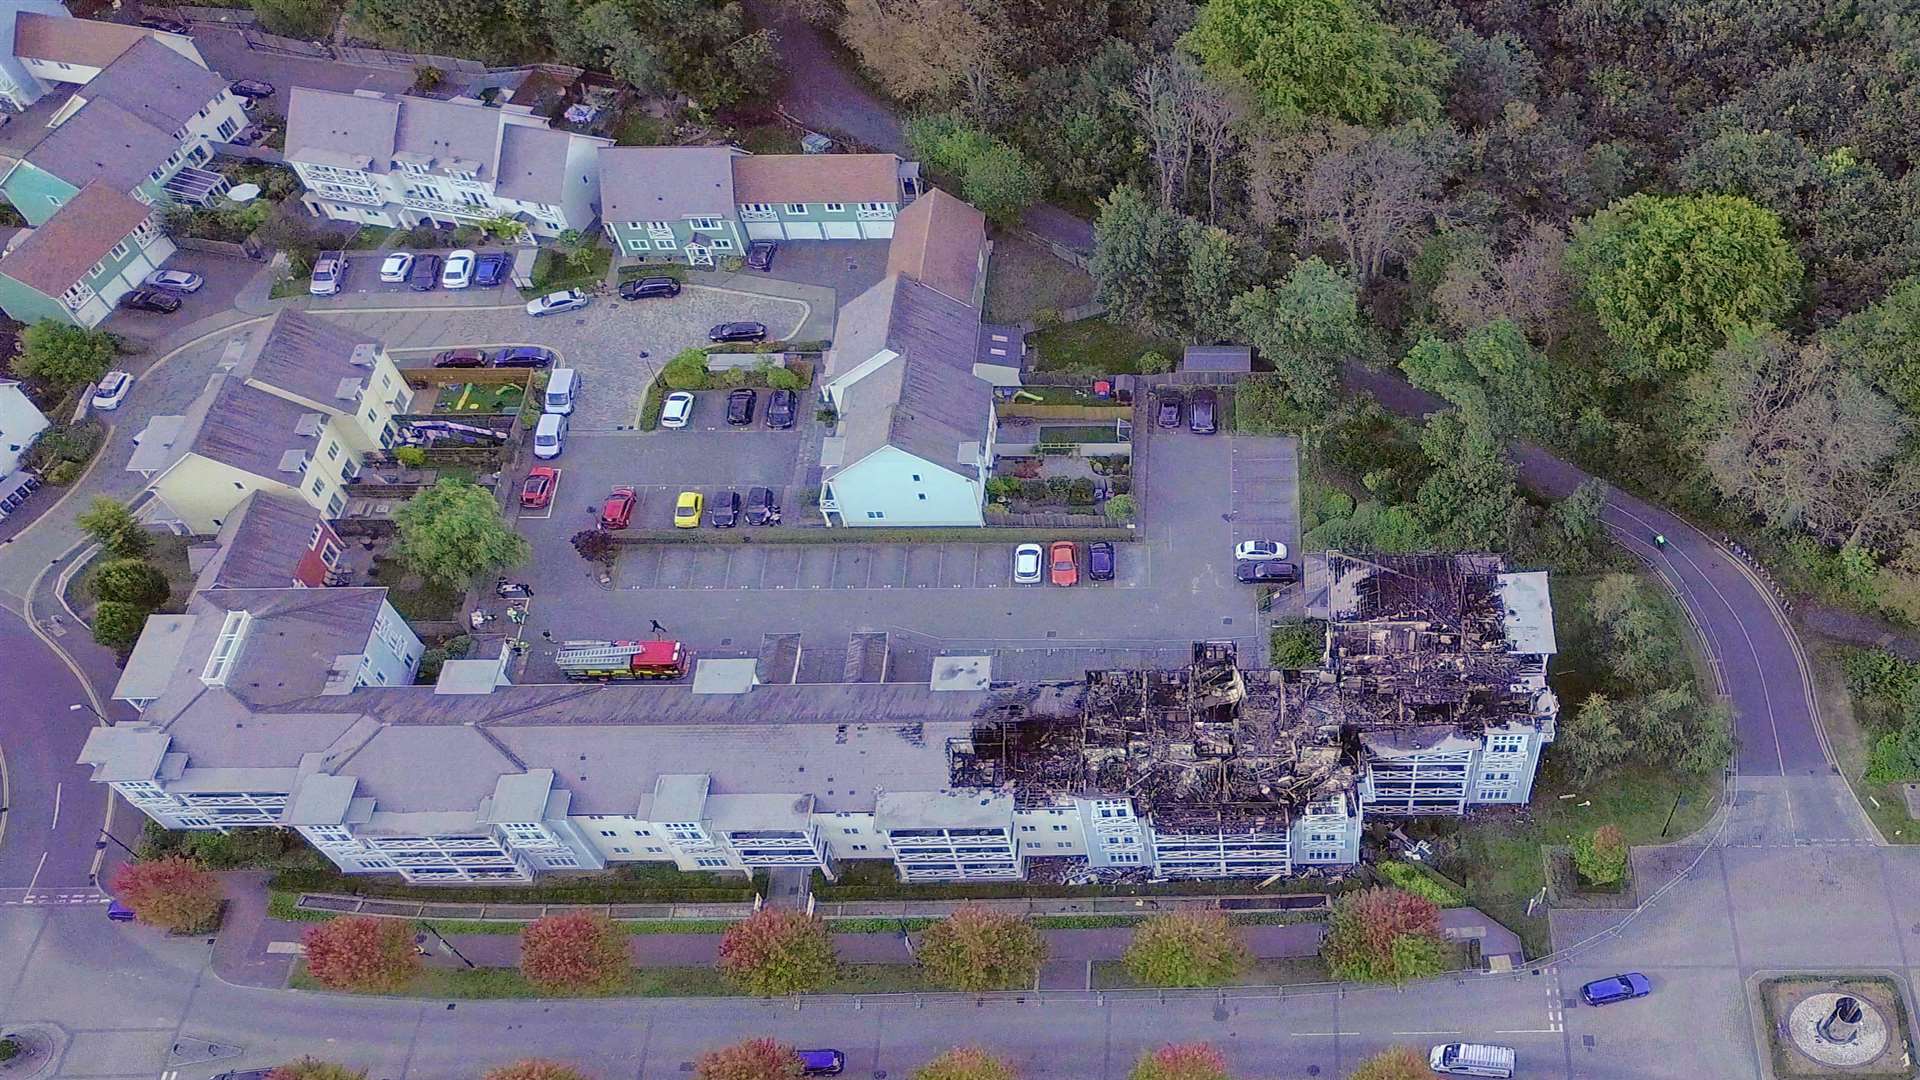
<point>268,706</point>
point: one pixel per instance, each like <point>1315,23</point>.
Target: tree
<point>1633,635</point>
<point>754,1059</point>
<point>1121,508</point>
<point>535,1069</point>
<point>1591,741</point>
<point>777,951</point>
<point>1882,343</point>
<point>1186,948</point>
<point>131,581</point>
<point>578,952</point>
<point>308,20</point>
<point>1375,195</point>
<point>916,49</point>
<point>965,1063</point>
<point>1601,855</point>
<point>1134,241</point>
<point>1217,265</point>
<point>1300,59</point>
<point>1471,501</point>
<point>1307,327</point>
<point>117,625</point>
<point>687,370</point>
<point>1182,115</point>
<point>1383,935</point>
<point>596,546</point>
<point>994,176</point>
<point>1671,277</point>
<point>113,527</point>
<point>312,1068</point>
<point>453,531</point>
<point>172,893</point>
<point>1501,386</point>
<point>1393,1063</point>
<point>1180,1061</point>
<point>62,356</point>
<point>978,949</point>
<point>1528,286</point>
<point>362,953</point>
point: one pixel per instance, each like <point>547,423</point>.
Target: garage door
<point>803,230</point>
<point>764,230</point>
<point>878,230</point>
<point>843,230</point>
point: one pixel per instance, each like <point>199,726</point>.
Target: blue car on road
<point>1618,988</point>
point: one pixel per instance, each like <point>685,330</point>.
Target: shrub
<point>1121,508</point>
<point>1186,948</point>
<point>9,1049</point>
<point>777,951</point>
<point>579,952</point>
<point>595,546</point>
<point>131,581</point>
<point>361,952</point>
<point>535,1069</point>
<point>1180,1061</point>
<point>782,378</point>
<point>1365,931</point>
<point>312,1068</point>
<point>172,893</point>
<point>978,949</point>
<point>63,474</point>
<point>1417,881</point>
<point>1601,856</point>
<point>1033,489</point>
<point>62,356</point>
<point>1154,363</point>
<point>1059,488</point>
<point>1298,645</point>
<point>965,1063</point>
<point>755,1059</point>
<point>411,456</point>
<point>687,371</point>
<point>117,624</point>
<point>1080,492</point>
<point>113,526</point>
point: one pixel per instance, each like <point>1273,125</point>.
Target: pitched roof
<point>103,141</point>
<point>446,136</point>
<point>308,356</point>
<point>932,403</point>
<point>250,429</point>
<point>533,164</point>
<point>78,235</point>
<point>156,83</point>
<point>813,178</point>
<point>666,183</point>
<point>64,40</point>
<point>260,544</point>
<point>331,128</point>
<point>939,241</point>
<point>294,637</point>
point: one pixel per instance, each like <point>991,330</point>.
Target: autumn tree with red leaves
<point>755,1059</point>
<point>535,1069</point>
<point>978,949</point>
<point>1383,935</point>
<point>1180,1061</point>
<point>313,1068</point>
<point>172,893</point>
<point>361,952</point>
<point>581,952</point>
<point>777,951</point>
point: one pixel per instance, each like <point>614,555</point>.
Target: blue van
<point>821,1062</point>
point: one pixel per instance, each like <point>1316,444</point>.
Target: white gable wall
<point>891,487</point>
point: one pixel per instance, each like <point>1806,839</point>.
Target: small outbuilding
<point>1233,359</point>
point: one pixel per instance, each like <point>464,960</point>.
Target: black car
<point>252,89</point>
<point>168,23</point>
<point>1171,408</point>
<point>524,356</point>
<point>1266,570</point>
<point>165,303</point>
<point>425,276</point>
<point>782,405</point>
<point>1200,416</point>
<point>760,254</point>
<point>647,288</point>
<point>763,507</point>
<point>460,358</point>
<point>1100,561</point>
<point>491,268</point>
<point>738,331</point>
<point>740,406</point>
<point>723,510</point>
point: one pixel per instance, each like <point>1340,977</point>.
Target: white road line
<point>56,805</point>
<point>1454,1032</point>
<point>1529,1031</point>
<point>36,875</point>
<point>1321,1034</point>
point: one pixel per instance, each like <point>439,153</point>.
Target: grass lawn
<point>476,398</point>
<point>1274,971</point>
<point>552,272</point>
<point>292,285</point>
<point>1024,278</point>
<point>1078,433</point>
<point>1851,738</point>
<point>427,602</point>
<point>1096,347</point>
<point>484,983</point>
<point>770,139</point>
<point>636,128</point>
<point>169,554</point>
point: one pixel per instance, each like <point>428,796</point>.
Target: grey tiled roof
<point>308,356</point>
<point>261,544</point>
<point>940,241</point>
<point>250,429</point>
<point>103,141</point>
<point>156,83</point>
<point>79,234</point>
<point>447,134</point>
<point>335,128</point>
<point>930,400</point>
<point>533,164</point>
<point>666,183</point>
<point>295,637</point>
<point>64,40</point>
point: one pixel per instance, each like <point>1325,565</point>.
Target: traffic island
<point>29,1051</point>
<point>1819,1027</point>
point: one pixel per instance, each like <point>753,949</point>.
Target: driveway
<point>225,275</point>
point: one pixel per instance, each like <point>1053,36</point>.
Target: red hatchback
<point>537,490</point>
<point>619,509</point>
<point>1062,564</point>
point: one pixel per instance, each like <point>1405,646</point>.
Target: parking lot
<point>849,566</point>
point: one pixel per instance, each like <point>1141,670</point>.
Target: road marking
<point>1529,1031</point>
<point>56,804</point>
<point>1453,1032</point>
<point>1320,1034</point>
<point>36,875</point>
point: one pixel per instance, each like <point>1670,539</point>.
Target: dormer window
<point>226,648</point>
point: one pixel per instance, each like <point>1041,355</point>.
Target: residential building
<point>46,49</point>
<point>702,203</point>
<point>269,541</point>
<point>402,161</point>
<point>21,422</point>
<point>293,411</point>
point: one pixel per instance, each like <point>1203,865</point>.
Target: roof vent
<point>348,390</point>
<point>310,424</point>
<point>365,355</point>
<point>293,461</point>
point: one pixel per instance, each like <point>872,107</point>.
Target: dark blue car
<point>820,1062</point>
<point>524,356</point>
<point>1618,988</point>
<point>1100,562</point>
<point>491,268</point>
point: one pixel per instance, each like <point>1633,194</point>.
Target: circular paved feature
<point>1803,1026</point>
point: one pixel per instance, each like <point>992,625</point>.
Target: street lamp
<point>76,707</point>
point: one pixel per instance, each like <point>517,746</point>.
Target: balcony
<point>359,196</point>
<point>440,206</point>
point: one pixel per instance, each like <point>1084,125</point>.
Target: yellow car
<point>686,511</point>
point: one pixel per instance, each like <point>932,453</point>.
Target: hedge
<point>625,886</point>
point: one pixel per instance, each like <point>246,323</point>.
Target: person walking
<point>657,628</point>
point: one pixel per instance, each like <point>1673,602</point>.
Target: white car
<point>394,269</point>
<point>329,270</point>
<point>174,281</point>
<point>556,302</point>
<point>677,411</point>
<point>550,436</point>
<point>458,272</point>
<point>1026,564</point>
<point>1256,550</point>
<point>112,390</point>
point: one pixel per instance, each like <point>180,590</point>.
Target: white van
<point>1472,1059</point>
<point>549,436</point>
<point>561,385</point>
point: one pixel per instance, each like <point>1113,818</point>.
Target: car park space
<point>839,566</point>
<point>371,274</point>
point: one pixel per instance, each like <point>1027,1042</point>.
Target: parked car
<point>648,288</point>
<point>491,269</point>
<point>165,303</point>
<point>820,1062</point>
<point>740,406</point>
<point>550,435</point>
<point>537,490</point>
<point>763,507</point>
<point>738,331</point>
<point>329,273</point>
<point>460,358</point>
<point>1200,413</point>
<point>1100,561</point>
<point>251,89</point>
<point>724,511</point>
<point>180,281</point>
<point>249,1074</point>
<point>1172,408</point>
<point>1618,988</point>
<point>760,254</point>
<point>1266,571</point>
<point>112,390</point>
<point>1063,564</point>
<point>170,24</point>
<point>458,271</point>
<point>524,356</point>
<point>1259,549</point>
<point>617,511</point>
<point>119,912</point>
<point>425,275</point>
<point>782,407</point>
<point>1026,564</point>
<point>677,410</point>
<point>556,302</point>
<point>686,510</point>
<point>394,268</point>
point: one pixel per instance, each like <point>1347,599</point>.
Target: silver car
<point>1027,559</point>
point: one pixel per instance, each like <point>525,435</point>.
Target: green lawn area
<point>1024,278</point>
<point>770,139</point>
<point>426,602</point>
<point>1078,433</point>
<point>636,128</point>
<point>553,271</point>
<point>295,284</point>
<point>485,983</point>
<point>476,398</point>
<point>369,237</point>
<point>1273,971</point>
<point>1851,738</point>
<point>1096,347</point>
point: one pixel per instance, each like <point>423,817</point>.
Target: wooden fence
<point>1008,519</point>
<point>261,41</point>
<point>1022,410</point>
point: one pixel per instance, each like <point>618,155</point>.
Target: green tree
<point>1180,1061</point>
<point>1307,326</point>
<point>994,176</point>
<point>1601,855</point>
<point>687,370</point>
<point>113,527</point>
<point>131,581</point>
<point>1217,271</point>
<point>62,356</point>
<point>312,1068</point>
<point>1670,277</point>
<point>1591,740</point>
<point>1186,948</point>
<point>1320,58</point>
<point>453,531</point>
<point>965,1063</point>
<point>1383,935</point>
<point>117,624</point>
<point>1393,1063</point>
<point>308,20</point>
<point>1882,343</point>
<point>1500,384</point>
<point>777,951</point>
<point>977,949</point>
<point>1134,241</point>
<point>1120,508</point>
<point>1471,499</point>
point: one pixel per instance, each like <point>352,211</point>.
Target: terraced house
<point>120,121</point>
<point>702,203</point>
<point>401,161</point>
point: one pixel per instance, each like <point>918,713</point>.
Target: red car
<point>1061,563</point>
<point>537,490</point>
<point>619,509</point>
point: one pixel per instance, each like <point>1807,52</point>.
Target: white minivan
<point>1472,1059</point>
<point>549,436</point>
<point>561,386</point>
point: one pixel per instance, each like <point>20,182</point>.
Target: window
<point>757,207</point>
<point>704,224</point>
<point>638,244</point>
<point>664,243</point>
<point>1059,828</point>
<point>333,451</point>
<point>622,851</point>
<point>876,513</point>
<point>1507,744</point>
<point>851,832</point>
<point>923,498</point>
<point>319,486</point>
<point>710,862</point>
<point>226,129</point>
<point>835,208</point>
<point>721,243</point>
<point>1027,828</point>
<point>55,200</point>
<point>1125,857</point>
<point>606,832</point>
<point>859,847</point>
<point>796,208</point>
<point>119,250</point>
<point>225,648</point>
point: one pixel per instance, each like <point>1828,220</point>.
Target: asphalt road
<point>53,812</point>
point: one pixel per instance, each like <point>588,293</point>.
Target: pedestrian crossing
<point>50,897</point>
